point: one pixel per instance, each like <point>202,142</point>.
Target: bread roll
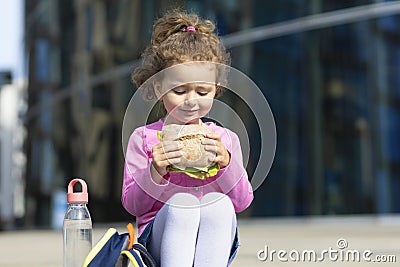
<point>190,135</point>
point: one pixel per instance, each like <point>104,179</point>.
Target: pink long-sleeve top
<point>143,198</point>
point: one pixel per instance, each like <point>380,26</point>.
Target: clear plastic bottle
<point>77,227</point>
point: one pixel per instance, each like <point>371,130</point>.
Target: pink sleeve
<point>139,191</point>
<point>234,181</point>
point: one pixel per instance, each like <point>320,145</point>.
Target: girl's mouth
<point>190,111</point>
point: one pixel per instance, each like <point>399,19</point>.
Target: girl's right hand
<point>164,154</point>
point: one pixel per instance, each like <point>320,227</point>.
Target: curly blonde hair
<point>172,44</point>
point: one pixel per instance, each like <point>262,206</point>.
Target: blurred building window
<point>42,60</point>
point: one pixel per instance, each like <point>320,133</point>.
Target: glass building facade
<point>333,87</point>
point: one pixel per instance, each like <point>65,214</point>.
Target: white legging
<point>192,232</point>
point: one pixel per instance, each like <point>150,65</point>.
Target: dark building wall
<point>334,93</point>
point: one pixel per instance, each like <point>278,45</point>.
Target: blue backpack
<point>119,250</point>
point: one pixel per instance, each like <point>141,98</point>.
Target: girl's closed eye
<point>179,91</point>
<point>202,93</point>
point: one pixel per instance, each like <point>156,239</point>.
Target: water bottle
<point>77,226</point>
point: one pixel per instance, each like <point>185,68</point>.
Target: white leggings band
<point>192,232</point>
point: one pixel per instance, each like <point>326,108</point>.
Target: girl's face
<point>189,93</point>
<point>187,104</point>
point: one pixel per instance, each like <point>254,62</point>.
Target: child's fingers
<point>213,136</point>
<point>164,160</point>
<point>173,155</point>
<point>215,159</point>
<point>169,146</point>
<point>213,145</point>
<point>209,141</point>
<point>172,161</point>
<point>211,148</point>
<point>167,153</point>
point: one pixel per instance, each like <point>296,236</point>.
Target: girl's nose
<point>190,99</point>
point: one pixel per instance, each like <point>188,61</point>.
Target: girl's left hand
<point>213,143</point>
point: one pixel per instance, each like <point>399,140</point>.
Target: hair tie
<point>190,29</point>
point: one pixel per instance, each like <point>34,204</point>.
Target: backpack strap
<point>146,256</point>
<point>138,256</point>
<point>133,257</point>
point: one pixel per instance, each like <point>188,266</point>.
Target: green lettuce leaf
<point>196,173</point>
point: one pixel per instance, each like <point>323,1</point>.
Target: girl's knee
<point>184,200</point>
<point>216,207</point>
<point>217,200</point>
<point>183,210</point>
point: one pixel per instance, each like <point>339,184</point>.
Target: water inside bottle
<point>78,240</point>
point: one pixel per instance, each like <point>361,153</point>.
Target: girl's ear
<point>218,90</point>
<point>157,89</point>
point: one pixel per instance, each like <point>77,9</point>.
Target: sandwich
<point>196,162</point>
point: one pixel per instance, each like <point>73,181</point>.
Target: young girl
<point>184,221</point>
